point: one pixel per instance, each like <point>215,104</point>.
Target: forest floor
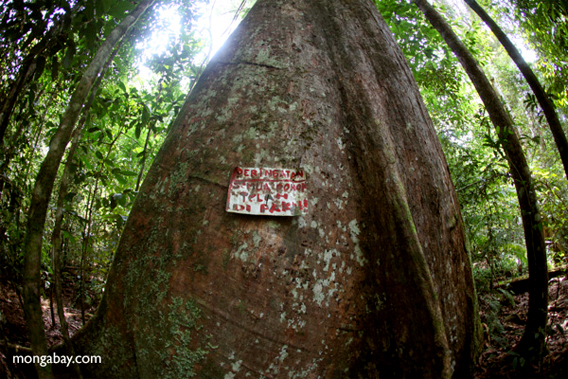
<point>14,330</point>
<point>502,315</point>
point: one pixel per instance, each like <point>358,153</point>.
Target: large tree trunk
<point>545,103</point>
<point>374,281</point>
<point>532,345</point>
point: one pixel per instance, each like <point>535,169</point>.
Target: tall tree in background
<point>543,99</point>
<point>42,22</point>
<point>373,281</point>
<point>546,25</point>
<point>532,345</point>
<point>45,181</point>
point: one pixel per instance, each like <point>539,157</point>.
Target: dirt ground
<point>502,317</point>
<point>503,320</point>
<point>13,330</point>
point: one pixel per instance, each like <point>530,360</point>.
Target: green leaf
<point>93,129</point>
<point>90,9</point>
<point>118,9</point>
<point>40,66</point>
<point>145,115</point>
<point>138,130</point>
<point>110,162</point>
<point>70,196</point>
<point>121,179</point>
<point>54,68</point>
<point>31,99</point>
<point>122,200</point>
<point>100,7</point>
<point>128,173</point>
<point>68,235</point>
<point>122,86</point>
<point>69,54</point>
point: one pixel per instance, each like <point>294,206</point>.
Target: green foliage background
<point>122,129</point>
<point>475,157</point>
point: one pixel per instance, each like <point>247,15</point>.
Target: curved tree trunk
<point>532,345</point>
<point>374,281</point>
<point>44,185</point>
<point>545,103</point>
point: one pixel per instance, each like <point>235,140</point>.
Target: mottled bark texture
<point>373,282</point>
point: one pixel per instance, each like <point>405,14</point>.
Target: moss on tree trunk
<point>373,281</point>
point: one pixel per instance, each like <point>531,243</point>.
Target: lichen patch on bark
<point>359,286</point>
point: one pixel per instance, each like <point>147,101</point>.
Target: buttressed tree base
<point>372,281</point>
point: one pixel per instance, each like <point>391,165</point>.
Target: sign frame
<point>267,191</point>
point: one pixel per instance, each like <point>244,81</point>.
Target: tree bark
<point>532,344</point>
<point>44,185</point>
<point>374,281</point>
<point>545,103</point>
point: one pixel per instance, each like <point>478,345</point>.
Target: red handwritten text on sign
<point>267,191</point>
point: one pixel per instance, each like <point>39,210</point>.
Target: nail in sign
<point>267,192</point>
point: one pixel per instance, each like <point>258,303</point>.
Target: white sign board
<point>267,192</point>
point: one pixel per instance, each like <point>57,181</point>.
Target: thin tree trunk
<point>10,151</point>
<point>27,72</point>
<point>545,103</point>
<point>85,245</point>
<point>51,307</point>
<point>29,65</point>
<point>532,344</point>
<point>63,191</point>
<point>44,185</point>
